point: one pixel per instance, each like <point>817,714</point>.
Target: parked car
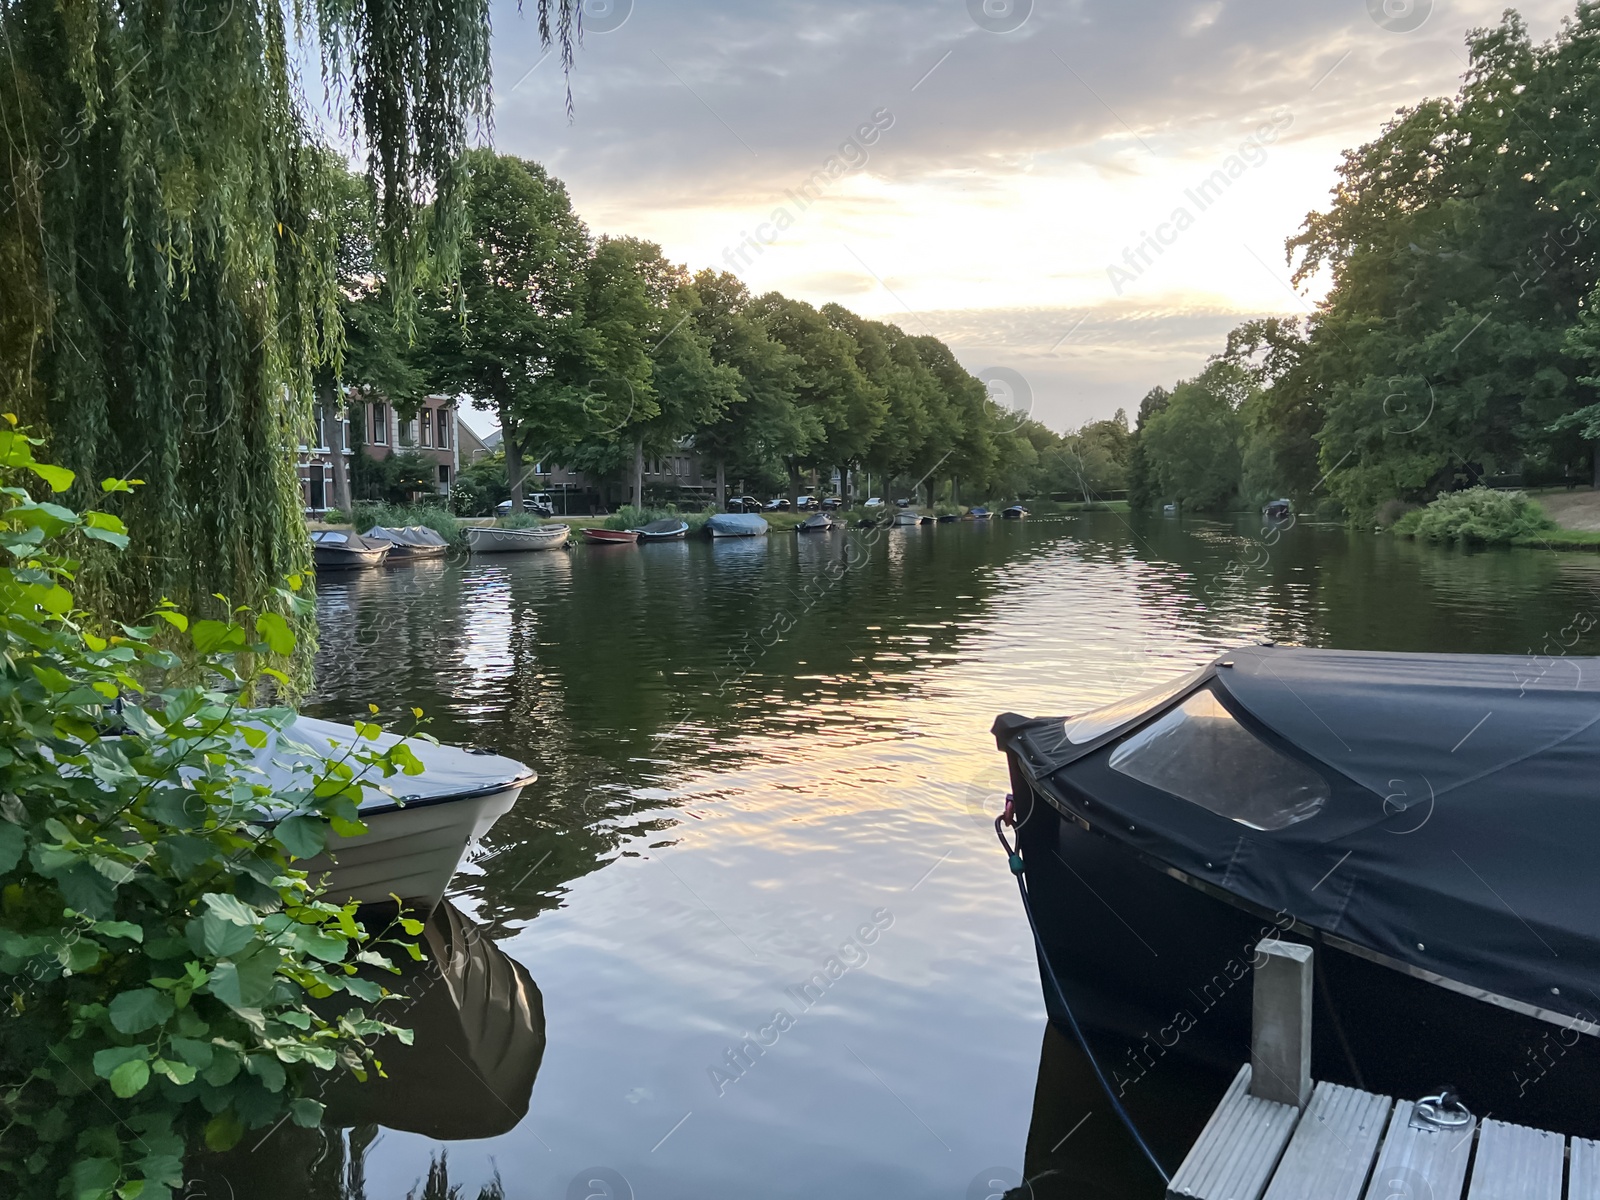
<point>902,503</point>
<point>807,504</point>
<point>832,502</point>
<point>781,504</point>
<point>874,502</point>
<point>743,504</point>
<point>539,504</point>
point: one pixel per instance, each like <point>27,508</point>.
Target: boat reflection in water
<point>478,1020</point>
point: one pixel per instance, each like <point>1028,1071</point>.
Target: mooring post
<point>1280,1042</point>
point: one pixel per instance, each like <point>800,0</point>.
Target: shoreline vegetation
<point>1458,344</point>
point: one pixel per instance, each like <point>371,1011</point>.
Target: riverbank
<point>1577,512</point>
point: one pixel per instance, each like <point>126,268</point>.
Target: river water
<point>779,950</point>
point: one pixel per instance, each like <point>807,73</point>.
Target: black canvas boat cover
<point>1442,811</point>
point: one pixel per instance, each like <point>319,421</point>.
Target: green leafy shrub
<point>1478,516</point>
<point>167,968</point>
<point>440,520</point>
<point>629,517</point>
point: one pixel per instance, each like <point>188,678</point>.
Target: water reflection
<point>478,1020</point>
<point>747,746</point>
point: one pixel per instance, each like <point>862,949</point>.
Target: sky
<point>1080,196</point>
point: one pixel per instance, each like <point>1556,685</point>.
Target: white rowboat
<point>493,539</point>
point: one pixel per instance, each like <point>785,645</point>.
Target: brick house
<point>432,432</point>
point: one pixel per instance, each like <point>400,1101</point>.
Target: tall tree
<point>166,251</point>
<point>521,344</point>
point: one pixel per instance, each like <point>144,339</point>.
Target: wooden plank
<point>1420,1164</point>
<point>1584,1180</point>
<point>1331,1153</point>
<point>1238,1149</point>
<point>1517,1163</point>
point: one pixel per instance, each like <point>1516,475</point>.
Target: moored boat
<point>907,517</point>
<point>409,543</point>
<point>978,513</point>
<point>820,523</point>
<point>664,530</point>
<point>724,525</point>
<point>1278,510</point>
<point>338,550</point>
<point>611,537</point>
<point>1015,513</point>
<point>947,518</point>
<point>1360,802</point>
<point>497,539</point>
<point>418,827</point>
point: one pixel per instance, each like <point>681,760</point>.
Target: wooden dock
<point>1278,1136</point>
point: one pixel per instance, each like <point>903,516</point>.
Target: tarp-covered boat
<point>497,539</point>
<point>664,530</point>
<point>818,523</point>
<point>408,543</point>
<point>722,525</point>
<point>1430,821</point>
<point>418,831</point>
<point>1015,513</point>
<point>339,550</point>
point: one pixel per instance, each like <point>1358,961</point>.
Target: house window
<point>442,423</point>
<point>380,425</point>
<point>319,433</point>
<point>444,476</point>
<point>426,417</point>
<point>316,490</point>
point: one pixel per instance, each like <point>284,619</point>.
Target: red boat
<point>611,537</point>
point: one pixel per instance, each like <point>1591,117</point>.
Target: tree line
<point>1459,341</point>
<point>598,353</point>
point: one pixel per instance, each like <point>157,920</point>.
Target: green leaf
<point>267,1069</point>
<point>223,1131</point>
<point>140,1009</point>
<point>245,982</point>
<point>231,908</point>
<point>93,1178</point>
<point>13,843</point>
<point>120,929</point>
<point>129,1079</point>
<point>275,631</point>
<point>108,1060</point>
<point>306,1112</point>
<point>303,837</point>
<point>179,1072</point>
<point>176,619</point>
<point>59,478</point>
<point>211,637</point>
<point>221,937</point>
<point>193,1051</point>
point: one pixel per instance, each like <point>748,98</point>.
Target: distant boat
<point>979,513</point>
<point>821,523</point>
<point>611,537</point>
<point>724,525</point>
<point>495,539</point>
<point>1015,513</point>
<point>1278,510</point>
<point>948,517</point>
<point>409,543</point>
<point>415,839</point>
<point>663,530</point>
<point>337,550</point>
<point>929,521</point>
<point>907,517</point>
<point>1169,510</point>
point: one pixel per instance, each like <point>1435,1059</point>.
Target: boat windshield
<point>1098,722</point>
<point>1200,753</point>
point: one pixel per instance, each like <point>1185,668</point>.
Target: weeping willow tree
<point>168,246</point>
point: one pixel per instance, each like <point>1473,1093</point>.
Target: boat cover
<point>406,535</point>
<point>340,539</point>
<point>665,525</point>
<point>736,524</point>
<point>289,757</point>
<point>1449,820</point>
